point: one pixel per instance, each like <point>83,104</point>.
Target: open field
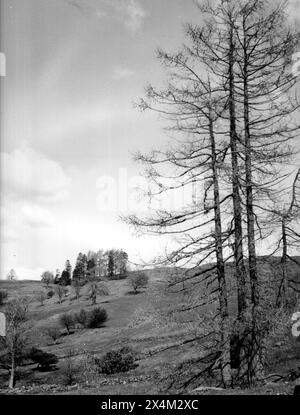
<point>134,320</point>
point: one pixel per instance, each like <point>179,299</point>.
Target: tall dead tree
<point>264,48</point>
<point>243,107</point>
<point>216,45</point>
<point>263,125</point>
<point>190,103</point>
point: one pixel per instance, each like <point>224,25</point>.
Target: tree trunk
<point>225,330</point>
<point>11,383</point>
<point>282,291</point>
<point>240,268</point>
<point>241,274</point>
<point>254,367</point>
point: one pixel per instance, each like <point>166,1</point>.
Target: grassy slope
<point>133,320</point>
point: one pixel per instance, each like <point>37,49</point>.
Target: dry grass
<point>133,320</point>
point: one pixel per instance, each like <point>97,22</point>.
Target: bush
<point>67,321</point>
<point>3,296</point>
<point>69,368</point>
<point>138,280</point>
<point>50,294</point>
<point>117,361</point>
<point>97,317</point>
<point>82,318</point>
<point>43,359</point>
<point>53,332</point>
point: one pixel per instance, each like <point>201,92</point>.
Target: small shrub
<point>97,317</point>
<point>67,321</point>
<point>117,361</point>
<point>53,332</point>
<point>69,368</point>
<point>50,294</point>
<point>3,296</point>
<point>43,359</point>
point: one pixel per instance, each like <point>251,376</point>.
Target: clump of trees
<point>92,319</point>
<point>111,264</point>
<point>138,280</point>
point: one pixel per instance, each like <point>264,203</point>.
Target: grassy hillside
<point>140,321</point>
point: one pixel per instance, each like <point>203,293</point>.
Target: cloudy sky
<point>68,124</point>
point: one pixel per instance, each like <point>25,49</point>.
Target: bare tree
<point>41,297</point>
<point>95,289</point>
<point>47,278</point>
<point>11,276</point>
<point>60,292</point>
<point>77,285</point>
<point>13,344</point>
<point>138,280</point>
<point>193,105</point>
<point>284,218</point>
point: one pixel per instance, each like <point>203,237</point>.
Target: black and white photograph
<point>150,201</point>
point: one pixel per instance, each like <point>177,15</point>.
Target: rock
<point>204,388</point>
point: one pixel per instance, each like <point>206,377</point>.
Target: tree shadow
<point>133,292</point>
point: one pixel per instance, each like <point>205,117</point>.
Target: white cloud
<point>27,174</point>
<point>32,188</point>
<point>133,13</point>
<point>130,12</point>
<point>121,73</point>
<point>36,216</point>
